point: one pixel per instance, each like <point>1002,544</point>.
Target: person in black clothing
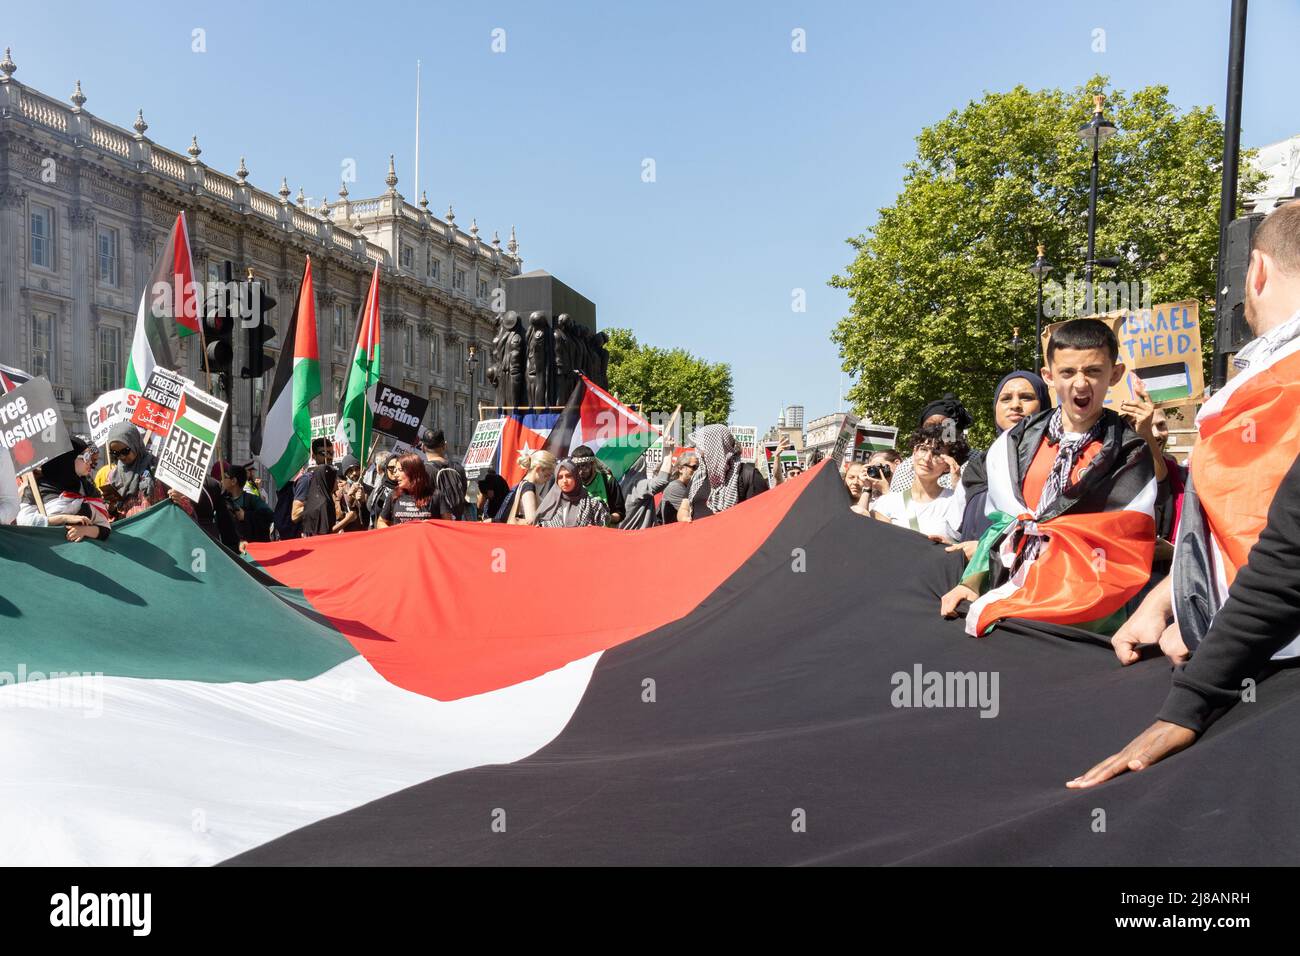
<point>492,491</point>
<point>350,497</point>
<point>253,516</point>
<point>389,472</point>
<point>414,498</point>
<point>1260,617</point>
<point>446,477</point>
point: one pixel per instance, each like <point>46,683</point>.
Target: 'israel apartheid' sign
<point>1160,348</point>
<point>110,410</point>
<point>397,413</point>
<point>31,427</point>
<point>483,447</point>
<point>156,409</point>
<point>187,450</point>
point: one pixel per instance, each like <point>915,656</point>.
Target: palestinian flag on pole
<point>284,444</point>
<point>169,306</point>
<point>1166,383</point>
<point>353,433</point>
<point>593,417</point>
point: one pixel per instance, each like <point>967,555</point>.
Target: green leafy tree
<point>660,379</point>
<point>941,281</point>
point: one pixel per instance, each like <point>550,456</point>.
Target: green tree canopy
<point>941,280</point>
<point>660,379</point>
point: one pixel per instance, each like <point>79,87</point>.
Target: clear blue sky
<point>766,159</point>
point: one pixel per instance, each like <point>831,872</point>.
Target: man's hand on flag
<point>1160,740</point>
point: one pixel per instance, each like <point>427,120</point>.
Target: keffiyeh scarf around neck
<point>1067,453</point>
<point>717,451</point>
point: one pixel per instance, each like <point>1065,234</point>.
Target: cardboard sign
<point>844,441</point>
<point>747,440</point>
<point>187,450</point>
<point>110,410</point>
<point>31,427</point>
<point>1159,347</point>
<point>483,447</point>
<point>398,414</point>
<point>789,459</point>
<point>869,439</point>
<point>324,426</point>
<point>156,408</point>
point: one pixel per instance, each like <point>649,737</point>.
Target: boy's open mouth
<point>1081,402</point>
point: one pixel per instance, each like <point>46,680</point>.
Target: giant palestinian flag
<point>593,417</point>
<point>284,444</point>
<point>402,697</point>
<point>354,432</point>
<point>169,308</point>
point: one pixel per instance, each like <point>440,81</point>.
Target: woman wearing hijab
<point>319,515</point>
<point>389,472</point>
<point>723,480</point>
<point>133,470</point>
<point>68,497</point>
<point>1019,395</point>
<point>948,408</point>
<point>569,504</point>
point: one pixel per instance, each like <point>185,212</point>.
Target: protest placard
<point>324,426</point>
<point>747,440</point>
<point>869,439</point>
<point>156,408</point>
<point>844,441</point>
<point>483,447</point>
<point>110,410</point>
<point>397,413</point>
<point>1159,347</point>
<point>31,427</point>
<point>187,450</point>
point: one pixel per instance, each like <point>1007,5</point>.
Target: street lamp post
<point>471,363</point>
<point>1093,133</point>
<point>1040,268</point>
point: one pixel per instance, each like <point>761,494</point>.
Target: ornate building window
<point>407,256</point>
<point>435,356</point>
<point>340,331</point>
<point>42,345</point>
<point>435,266</point>
<point>458,280</point>
<point>435,409</point>
<point>107,244</point>
<point>482,288</point>
<point>42,231</point>
<point>110,358</point>
<point>408,344</point>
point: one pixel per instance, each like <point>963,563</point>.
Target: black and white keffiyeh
<point>720,456</point>
<point>1067,453</point>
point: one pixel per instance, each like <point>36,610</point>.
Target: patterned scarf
<point>717,451</point>
<point>1067,453</point>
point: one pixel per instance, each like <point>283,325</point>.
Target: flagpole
<point>417,130</point>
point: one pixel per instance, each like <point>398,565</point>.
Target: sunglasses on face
<point>117,453</point>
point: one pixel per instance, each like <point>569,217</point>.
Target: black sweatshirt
<point>1260,617</point>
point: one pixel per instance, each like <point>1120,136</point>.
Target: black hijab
<point>319,515</point>
<point>949,407</point>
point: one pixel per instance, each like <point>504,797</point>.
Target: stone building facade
<point>85,207</point>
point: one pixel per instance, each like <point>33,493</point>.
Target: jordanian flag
<point>1166,383</point>
<point>169,306</point>
<point>593,417</point>
<point>522,434</point>
<point>354,432</point>
<point>284,444</point>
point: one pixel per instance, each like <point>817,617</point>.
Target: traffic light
<point>258,330</point>
<point>218,330</point>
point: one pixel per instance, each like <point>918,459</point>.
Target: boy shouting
<point>1071,496</point>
